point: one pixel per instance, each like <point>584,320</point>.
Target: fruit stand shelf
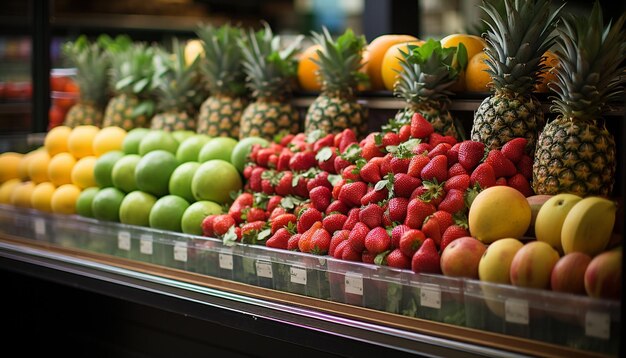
<point>366,303</point>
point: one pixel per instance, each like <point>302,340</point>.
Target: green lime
<point>135,208</point>
<point>84,201</point>
<point>242,150</point>
<point>195,214</point>
<point>217,148</point>
<point>102,170</point>
<point>130,144</point>
<point>153,172</point>
<point>158,140</point>
<point>123,173</point>
<point>189,149</point>
<point>180,181</point>
<point>215,180</point>
<point>106,204</point>
<point>167,213</point>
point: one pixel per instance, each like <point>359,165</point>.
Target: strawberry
<point>456,169</point>
<point>352,193</point>
<point>273,202</point>
<point>391,138</point>
<point>519,182</point>
<point>266,185</point>
<point>255,179</point>
<point>525,167</point>
<point>416,212</point>
<point>426,259</point>
<point>500,181</point>
<point>436,169</point>
<point>404,133</point>
<point>459,182</point>
<point>327,163</point>
<point>351,173</point>
<point>207,225</point>
<point>292,243</point>
<point>337,188</point>
<point>263,156</point>
<point>247,171</point>
<point>256,214</point>
<point>306,220</point>
<point>411,241</point>
<point>282,221</point>
<point>404,185</point>
<point>283,160</point>
<point>444,218</point>
<point>514,149</point>
<point>222,223</point>
<point>398,260</point>
<point>337,206</point>
<point>320,197</point>
<point>321,179</point>
<point>302,161</point>
<point>337,251</point>
<point>430,228</point>
<point>272,162</point>
<point>371,215</point>
<point>377,240</point>
<point>368,257</point>
<point>243,201</point>
<point>453,201</point>
<point>420,127</point>
<point>338,237</point>
<point>418,162</point>
<point>440,149</point>
<point>284,186</point>
<point>353,218</point>
<point>279,240</point>
<point>370,172</point>
<point>435,139</point>
<point>397,208</point>
<point>276,212</point>
<point>357,236</point>
<point>396,234</point>
<point>252,228</point>
<point>370,151</point>
<point>453,154</point>
<point>385,165</point>
<point>340,163</point>
<point>430,192</point>
<point>471,154</point>
<point>422,149</point>
<point>334,222</point>
<point>452,233</point>
<point>483,175</point>
<point>326,141</point>
<point>300,188</point>
<point>502,166</point>
<point>399,165</point>
<point>305,242</point>
<point>320,242</point>
<point>349,254</point>
<point>348,137</point>
<point>286,139</point>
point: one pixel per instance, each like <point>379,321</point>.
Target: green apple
<point>123,173</point>
<point>241,151</point>
<point>189,149</point>
<point>167,213</point>
<point>215,180</point>
<point>180,181</point>
<point>217,148</point>
<point>130,144</point>
<point>135,208</point>
<point>158,139</point>
<point>195,214</point>
<point>153,172</point>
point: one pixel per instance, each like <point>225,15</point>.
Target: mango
<point>603,277</point>
<point>532,265</point>
<point>568,275</point>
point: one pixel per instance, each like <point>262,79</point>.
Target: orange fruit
<point>476,78</point>
<point>376,52</point>
<point>473,44</point>
<point>552,62</point>
<point>307,68</point>
<point>391,62</point>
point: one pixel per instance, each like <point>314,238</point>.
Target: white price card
<point>516,311</point>
<point>145,244</point>
<point>40,226</point>
<point>123,240</point>
<point>180,251</point>
<point>264,269</point>
<point>298,275</point>
<point>226,261</point>
<point>354,283</point>
<point>598,325</point>
<point>430,297</point>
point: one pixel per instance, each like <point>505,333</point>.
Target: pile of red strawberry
<point>395,198</point>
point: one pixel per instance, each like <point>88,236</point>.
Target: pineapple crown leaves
<point>175,82</point>
<point>428,70</point>
<point>517,37</point>
<point>270,69</point>
<point>133,70</point>
<point>92,62</point>
<point>222,62</point>
<point>591,70</point>
<point>339,61</point>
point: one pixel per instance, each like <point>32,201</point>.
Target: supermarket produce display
<point>201,163</point>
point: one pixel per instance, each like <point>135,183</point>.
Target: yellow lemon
<point>60,169</point>
<point>41,196</point>
<point>64,199</point>
<point>38,167</point>
<point>476,78</point>
<point>82,173</point>
<point>6,189</point>
<point>9,162</point>
<point>22,167</point>
<point>108,139</point>
<point>21,194</point>
<point>56,140</point>
<point>80,141</point>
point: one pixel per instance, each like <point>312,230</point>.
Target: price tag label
<point>226,261</point>
<point>180,251</point>
<point>430,297</point>
<point>123,240</point>
<point>516,311</point>
<point>40,226</point>
<point>354,283</point>
<point>145,244</point>
<point>298,275</point>
<point>264,269</point>
<point>598,325</point>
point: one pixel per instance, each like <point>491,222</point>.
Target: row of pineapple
<point>573,153</point>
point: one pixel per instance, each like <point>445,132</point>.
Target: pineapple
<point>270,74</point>
<point>518,36</point>
<point>575,152</point>
<point>131,78</point>
<point>336,108</point>
<point>427,71</point>
<point>176,86</point>
<point>220,113</point>
<point>91,62</point>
